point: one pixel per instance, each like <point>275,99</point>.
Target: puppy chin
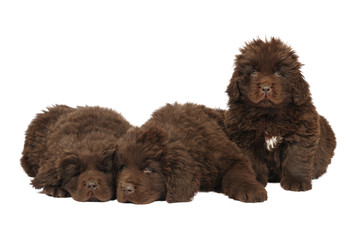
<point>136,199</point>
<point>92,196</point>
<point>266,103</point>
<point>122,198</point>
<point>263,102</point>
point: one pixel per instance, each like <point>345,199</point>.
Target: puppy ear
<point>233,88</point>
<point>153,136</point>
<point>301,92</point>
<point>107,164</point>
<point>110,148</point>
<point>68,167</point>
<point>153,139</point>
<point>182,177</point>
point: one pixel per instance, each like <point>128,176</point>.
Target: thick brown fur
<point>269,101</point>
<point>181,150</point>
<point>70,151</point>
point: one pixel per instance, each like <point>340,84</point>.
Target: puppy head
<point>267,74</point>
<point>87,172</point>
<point>138,159</point>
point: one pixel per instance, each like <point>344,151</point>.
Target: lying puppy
<point>181,150</point>
<point>272,118</point>
<point>69,152</point>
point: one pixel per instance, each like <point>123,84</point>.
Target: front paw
<point>293,184</point>
<point>251,193</point>
<point>55,191</point>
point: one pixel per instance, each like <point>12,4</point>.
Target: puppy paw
<point>251,193</point>
<point>55,191</point>
<point>290,184</point>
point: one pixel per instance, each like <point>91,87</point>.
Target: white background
<point>135,56</point>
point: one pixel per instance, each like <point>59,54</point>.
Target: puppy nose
<point>266,89</point>
<point>92,185</point>
<point>128,189</point>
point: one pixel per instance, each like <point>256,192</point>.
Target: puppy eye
<point>279,73</point>
<point>148,170</point>
<point>253,72</point>
<point>122,167</point>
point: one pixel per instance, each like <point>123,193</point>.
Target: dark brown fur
<point>181,150</point>
<point>268,97</point>
<point>69,152</point>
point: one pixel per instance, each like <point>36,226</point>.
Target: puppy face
<point>138,159</point>
<point>87,173</point>
<point>267,75</point>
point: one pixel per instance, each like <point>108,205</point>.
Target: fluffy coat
<point>181,150</point>
<point>272,119</point>
<point>70,151</point>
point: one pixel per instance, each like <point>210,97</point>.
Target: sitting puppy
<point>181,150</point>
<point>272,118</point>
<point>69,152</point>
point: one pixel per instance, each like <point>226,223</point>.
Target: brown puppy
<point>181,150</point>
<point>69,152</point>
<point>272,118</point>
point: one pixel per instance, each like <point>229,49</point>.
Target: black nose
<point>92,185</point>
<point>266,89</point>
<point>128,189</point>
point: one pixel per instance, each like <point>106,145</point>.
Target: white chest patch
<point>272,142</point>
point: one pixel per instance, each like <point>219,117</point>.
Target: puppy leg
<point>325,148</point>
<point>260,168</point>
<point>182,175</point>
<point>240,183</point>
<point>46,176</point>
<point>258,161</point>
<point>297,165</point>
<point>47,179</point>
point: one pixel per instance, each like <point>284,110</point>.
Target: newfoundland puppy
<point>181,150</point>
<point>272,119</point>
<point>69,151</point>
